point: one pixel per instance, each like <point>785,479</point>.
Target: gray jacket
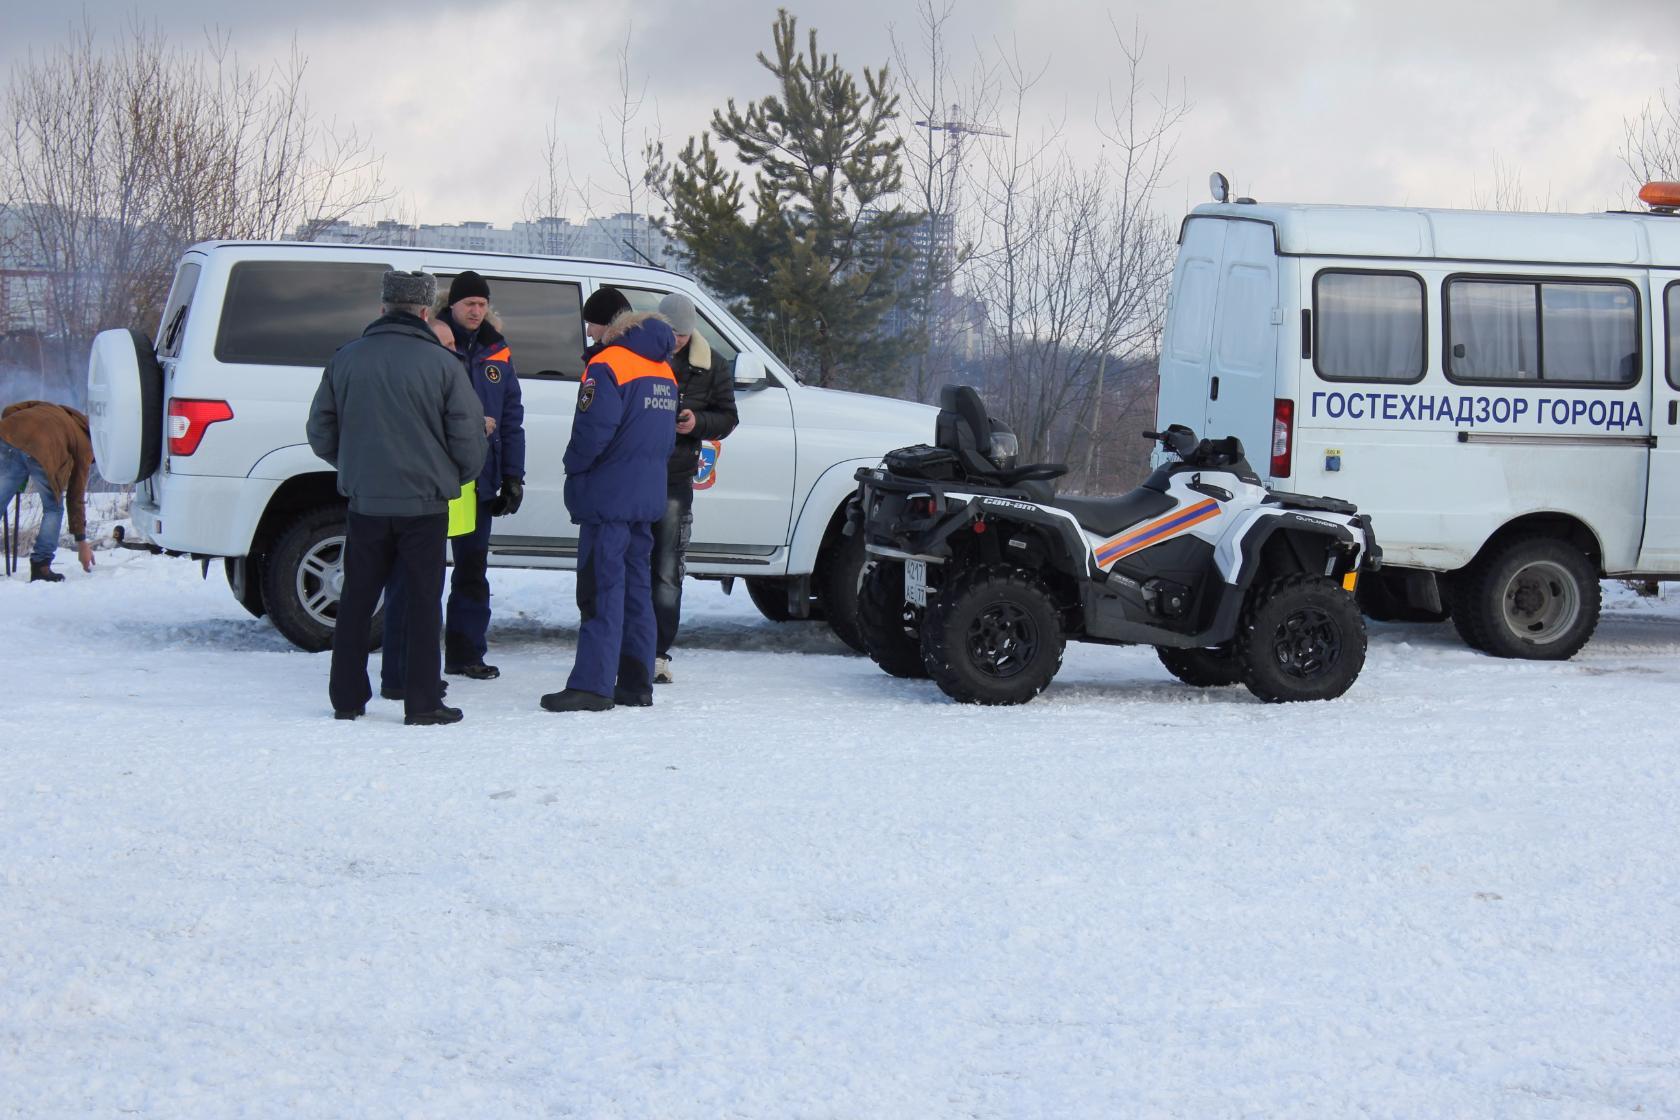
<point>397,416</point>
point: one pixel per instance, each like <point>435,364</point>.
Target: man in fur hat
<point>396,415</point>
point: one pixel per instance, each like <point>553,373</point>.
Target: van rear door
<point>1183,393</point>
<point>1242,379</point>
<point>1218,363</point>
<point>1659,550</point>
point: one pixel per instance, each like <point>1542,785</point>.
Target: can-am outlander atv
<point>979,573</point>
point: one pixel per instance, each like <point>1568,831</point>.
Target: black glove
<point>507,502</point>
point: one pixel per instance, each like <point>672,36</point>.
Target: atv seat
<point>985,448</point>
<point>1107,516</point>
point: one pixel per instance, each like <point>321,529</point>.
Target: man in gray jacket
<point>397,416</point>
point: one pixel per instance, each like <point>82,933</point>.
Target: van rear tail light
<point>1283,437</point>
<point>189,420</point>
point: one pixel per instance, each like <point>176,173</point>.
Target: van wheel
<point>770,596</point>
<point>839,576</point>
<point>1301,638</point>
<point>1204,668</point>
<point>244,577</point>
<point>1532,597</point>
<point>891,627</point>
<point>993,636</point>
<point>304,577</point>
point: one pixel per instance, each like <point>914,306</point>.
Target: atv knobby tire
<point>838,577</point>
<point>992,636</point>
<point>1532,597</point>
<point>891,627</point>
<point>1204,668</point>
<point>1301,638</point>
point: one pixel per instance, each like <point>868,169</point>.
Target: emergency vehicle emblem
<point>706,476</point>
<point>492,374</point>
<point>586,395</point>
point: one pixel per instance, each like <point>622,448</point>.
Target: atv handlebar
<point>1206,453</point>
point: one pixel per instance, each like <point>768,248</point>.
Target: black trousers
<point>670,555</point>
<point>373,548</point>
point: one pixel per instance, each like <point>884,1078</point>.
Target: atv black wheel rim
<point>1002,640</point>
<point>1307,644</point>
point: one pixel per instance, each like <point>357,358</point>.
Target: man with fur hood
<point>48,443</point>
<point>622,435</point>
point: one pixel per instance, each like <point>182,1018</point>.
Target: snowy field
<point>799,888</point>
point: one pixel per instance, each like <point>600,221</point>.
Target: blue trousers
<point>468,619</point>
<point>16,468</point>
<point>615,598</point>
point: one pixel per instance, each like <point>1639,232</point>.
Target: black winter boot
<point>42,570</point>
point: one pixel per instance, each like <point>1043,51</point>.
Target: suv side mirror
<point>750,372</point>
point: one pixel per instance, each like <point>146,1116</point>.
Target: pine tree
<point>815,267</point>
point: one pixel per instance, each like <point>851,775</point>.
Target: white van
<point>1498,391</point>
<point>211,429</point>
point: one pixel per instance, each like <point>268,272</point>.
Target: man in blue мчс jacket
<point>397,417</point>
<point>622,435</point>
<point>501,484</point>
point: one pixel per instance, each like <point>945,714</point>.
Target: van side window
<point>295,313</point>
<point>542,321</point>
<point>1368,326</point>
<point>1672,315</point>
<point>1572,332</point>
<point>646,299</point>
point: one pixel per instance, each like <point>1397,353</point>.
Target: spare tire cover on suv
<point>125,406</point>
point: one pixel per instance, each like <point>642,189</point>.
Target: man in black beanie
<point>604,305</point>
<point>395,415</point>
<point>501,484</point>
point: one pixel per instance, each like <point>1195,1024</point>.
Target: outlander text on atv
<point>979,574</point>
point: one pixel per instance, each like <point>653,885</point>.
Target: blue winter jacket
<point>624,427</point>
<point>489,365</point>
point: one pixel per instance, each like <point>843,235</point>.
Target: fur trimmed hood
<point>647,333</point>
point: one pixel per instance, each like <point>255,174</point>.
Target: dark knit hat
<point>604,305</point>
<point>466,286</point>
<point>408,288</point>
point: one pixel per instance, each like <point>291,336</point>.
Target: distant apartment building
<point>620,237</point>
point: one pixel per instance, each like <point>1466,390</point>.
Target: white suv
<point>210,426</point>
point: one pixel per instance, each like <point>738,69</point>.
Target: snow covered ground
<point>799,888</point>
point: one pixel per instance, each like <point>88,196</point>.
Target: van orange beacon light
<point>1660,194</point>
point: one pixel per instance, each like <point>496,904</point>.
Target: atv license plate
<point>915,582</point>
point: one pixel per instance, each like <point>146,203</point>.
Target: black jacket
<point>706,386</point>
<point>398,418</point>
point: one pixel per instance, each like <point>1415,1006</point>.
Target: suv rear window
<point>295,313</point>
<point>175,310</point>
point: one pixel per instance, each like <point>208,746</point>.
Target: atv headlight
<point>1005,448</point>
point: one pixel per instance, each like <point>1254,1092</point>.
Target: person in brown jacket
<point>48,443</point>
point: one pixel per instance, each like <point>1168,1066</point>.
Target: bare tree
<point>1651,141</point>
<point>1073,264</point>
<point>630,160</point>
<point>553,196</point>
<point>939,121</point>
<point>1505,191</point>
<point>114,158</point>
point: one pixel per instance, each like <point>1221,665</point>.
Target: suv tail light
<point>1283,437</point>
<point>189,420</point>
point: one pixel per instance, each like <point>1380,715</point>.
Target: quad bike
<point>979,573</point>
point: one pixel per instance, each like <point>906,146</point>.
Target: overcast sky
<point>1297,100</point>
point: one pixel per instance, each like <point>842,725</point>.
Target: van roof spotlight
<point>1221,187</point>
